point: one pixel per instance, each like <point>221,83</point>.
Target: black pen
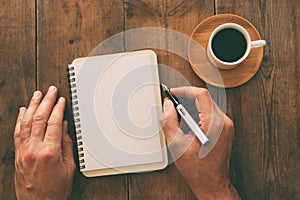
<point>187,117</point>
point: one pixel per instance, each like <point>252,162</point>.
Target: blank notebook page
<point>119,116</point>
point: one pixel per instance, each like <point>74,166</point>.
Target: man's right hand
<point>207,177</point>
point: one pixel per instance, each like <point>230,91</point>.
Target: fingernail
<point>61,100</point>
<point>51,89</point>
<point>22,109</point>
<point>36,95</point>
<point>167,104</point>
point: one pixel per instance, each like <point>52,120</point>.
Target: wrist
<point>223,193</point>
<point>29,195</point>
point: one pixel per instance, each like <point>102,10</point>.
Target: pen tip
<point>164,87</point>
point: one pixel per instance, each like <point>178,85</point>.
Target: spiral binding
<point>76,115</point>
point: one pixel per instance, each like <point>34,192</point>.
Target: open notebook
<point>116,107</point>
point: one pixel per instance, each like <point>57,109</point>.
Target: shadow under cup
<point>229,45</point>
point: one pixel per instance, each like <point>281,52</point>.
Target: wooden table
<point>38,39</point>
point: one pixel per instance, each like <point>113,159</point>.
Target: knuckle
<point>229,125</point>
<point>16,134</point>
<point>205,119</point>
<point>204,92</point>
<point>68,140</point>
<point>54,121</point>
<point>29,156</point>
<point>39,117</point>
<point>35,101</point>
<point>25,123</point>
<point>48,154</point>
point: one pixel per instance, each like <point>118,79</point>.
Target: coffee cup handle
<point>258,43</point>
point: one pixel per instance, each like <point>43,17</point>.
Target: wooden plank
<point>265,160</point>
<point>141,14</point>
<point>181,16</point>
<point>184,16</point>
<point>67,30</point>
<point>17,79</point>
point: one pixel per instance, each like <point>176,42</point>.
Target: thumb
<point>178,143</point>
<point>169,121</point>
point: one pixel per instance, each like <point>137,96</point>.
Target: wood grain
<point>35,51</point>
<point>266,155</point>
<point>17,79</point>
<point>67,30</point>
<point>143,14</point>
<point>181,16</point>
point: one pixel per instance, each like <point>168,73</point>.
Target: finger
<point>188,92</point>
<point>177,141</point>
<point>202,99</point>
<point>170,122</point>
<point>26,123</point>
<point>192,92</point>
<point>204,105</point>
<point>17,139</point>
<point>42,114</point>
<point>55,122</point>
<point>67,145</point>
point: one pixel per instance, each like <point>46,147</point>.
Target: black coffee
<point>229,45</point>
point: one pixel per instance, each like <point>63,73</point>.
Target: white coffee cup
<point>218,62</point>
